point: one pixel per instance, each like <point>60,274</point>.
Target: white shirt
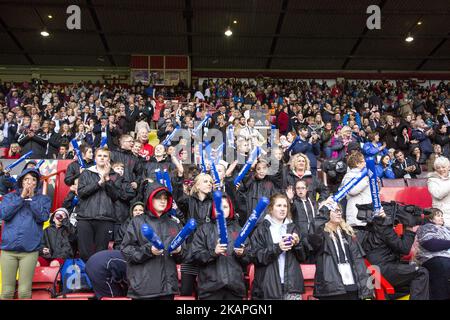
<point>277,230</point>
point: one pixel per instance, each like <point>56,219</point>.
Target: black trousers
<point>93,236</point>
<point>222,294</point>
<point>188,284</point>
<point>439,270</point>
<point>408,276</point>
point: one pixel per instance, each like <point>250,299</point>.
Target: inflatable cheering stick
<point>182,235</point>
<point>151,236</point>
<point>221,223</point>
<point>251,222</point>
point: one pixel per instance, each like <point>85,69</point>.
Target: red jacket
<point>283,122</point>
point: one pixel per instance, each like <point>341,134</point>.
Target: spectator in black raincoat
<point>151,274</point>
<point>221,274</point>
<point>277,251</point>
<point>340,270</point>
<point>56,244</point>
<point>97,194</point>
<point>74,169</point>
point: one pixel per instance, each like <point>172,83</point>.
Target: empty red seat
<point>43,280</point>
<point>394,182</point>
<point>309,273</point>
<point>419,182</point>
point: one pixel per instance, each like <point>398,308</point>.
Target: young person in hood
<point>24,213</point>
<point>340,270</point>
<point>152,273</point>
<point>221,274</point>
<point>277,251</point>
<point>136,209</point>
<point>97,194</point>
<point>56,244</point>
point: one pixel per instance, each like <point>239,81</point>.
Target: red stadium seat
<point>394,182</point>
<point>384,286</point>
<point>419,196</point>
<point>309,272</point>
<point>419,182</point>
<point>116,298</point>
<point>43,281</point>
<point>251,277</point>
<point>77,296</point>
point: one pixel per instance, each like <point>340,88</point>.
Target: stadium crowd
<point>319,136</point>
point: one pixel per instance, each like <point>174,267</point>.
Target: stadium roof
<point>269,34</point>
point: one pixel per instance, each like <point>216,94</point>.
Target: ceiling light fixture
<point>409,38</point>
<point>45,33</point>
<point>419,23</point>
<point>228,32</point>
<point>235,21</point>
<point>50,16</point>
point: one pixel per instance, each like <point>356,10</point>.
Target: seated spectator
<point>56,242</point>
<point>434,254</point>
<point>384,168</point>
<point>360,193</point>
<point>403,138</point>
<point>436,154</point>
<point>439,187</point>
<point>442,138</point>
<point>6,181</point>
<point>107,271</point>
<point>405,167</point>
<point>14,151</point>
<point>23,213</point>
<point>64,153</point>
<point>418,156</point>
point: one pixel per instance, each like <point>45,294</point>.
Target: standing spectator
<point>24,213</point>
<point>147,149</point>
<point>34,139</point>
<point>340,270</point>
<point>152,275</point>
<point>374,148</point>
<point>96,217</point>
<point>104,130</point>
<point>311,147</point>
<point>220,275</point>
<point>277,251</point>
<point>422,133</point>
<point>436,154</point>
<point>403,139</point>
<point>9,128</point>
<point>74,170</point>
<point>129,160</point>
<point>439,187</point>
<point>283,121</point>
<point>359,194</point>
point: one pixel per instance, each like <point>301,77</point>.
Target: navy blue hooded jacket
<point>24,218</point>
